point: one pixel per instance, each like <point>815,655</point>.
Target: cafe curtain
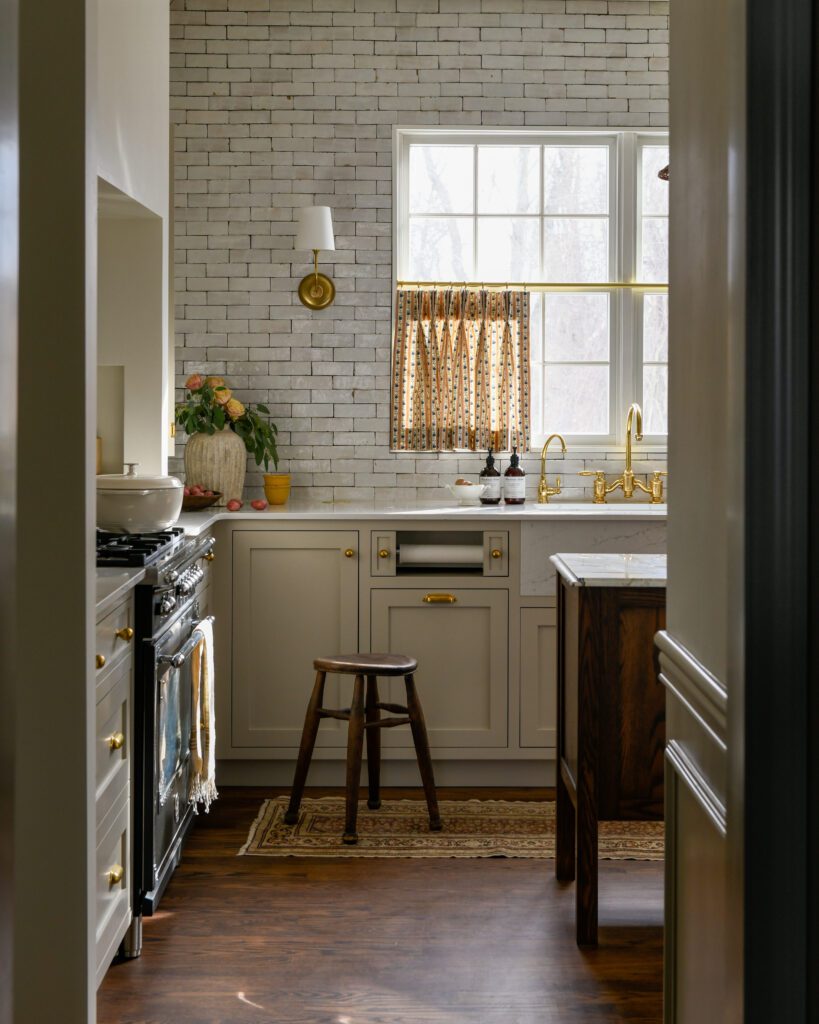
<point>460,370</point>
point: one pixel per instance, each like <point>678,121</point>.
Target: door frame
<point>780,770</point>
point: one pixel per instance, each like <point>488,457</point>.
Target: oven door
<point>167,810</point>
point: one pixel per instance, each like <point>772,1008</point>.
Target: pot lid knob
<point>132,468</point>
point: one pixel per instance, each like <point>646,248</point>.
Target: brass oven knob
<point>100,661</point>
<point>209,557</point>
<point>116,741</point>
<point>497,553</point>
<point>349,553</point>
<point>383,553</point>
<point>126,633</point>
<point>116,874</point>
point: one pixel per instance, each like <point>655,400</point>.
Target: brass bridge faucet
<point>544,491</point>
<point>628,483</point>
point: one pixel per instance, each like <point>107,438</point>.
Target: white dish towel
<point>203,720</point>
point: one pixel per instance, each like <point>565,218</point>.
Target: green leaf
<point>263,408</point>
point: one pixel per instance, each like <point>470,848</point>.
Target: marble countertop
<point>602,570</point>
<point>195,523</point>
<point>113,585</point>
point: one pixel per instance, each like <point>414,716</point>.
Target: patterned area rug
<point>472,828</point>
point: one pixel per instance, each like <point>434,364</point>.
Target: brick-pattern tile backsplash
<point>279,104</point>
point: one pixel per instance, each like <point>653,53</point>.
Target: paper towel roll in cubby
<point>441,555</point>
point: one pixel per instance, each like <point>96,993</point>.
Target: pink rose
<point>194,382</point>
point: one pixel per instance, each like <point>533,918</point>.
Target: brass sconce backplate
<point>316,291</point>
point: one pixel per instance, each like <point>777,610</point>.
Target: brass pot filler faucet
<point>628,483</point>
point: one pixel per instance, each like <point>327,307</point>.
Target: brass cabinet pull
<point>497,553</point>
<point>116,741</point>
<point>383,553</point>
<point>100,661</point>
<point>349,553</point>
<point>116,874</point>
<point>126,633</point>
<point>209,557</point>
<point>439,599</point>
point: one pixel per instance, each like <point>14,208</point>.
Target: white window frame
<point>625,304</point>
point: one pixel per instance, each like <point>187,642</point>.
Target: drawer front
<point>113,884</point>
<point>114,640</point>
<point>113,741</point>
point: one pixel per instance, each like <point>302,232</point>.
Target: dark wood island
<point>610,709</point>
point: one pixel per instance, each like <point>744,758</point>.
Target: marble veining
<point>611,570</point>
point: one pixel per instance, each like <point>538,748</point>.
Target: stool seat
<point>368,664</point>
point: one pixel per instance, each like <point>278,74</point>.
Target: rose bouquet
<point>209,406</point>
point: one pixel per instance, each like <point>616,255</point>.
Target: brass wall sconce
<point>315,231</point>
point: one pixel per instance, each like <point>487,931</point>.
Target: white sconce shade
<point>315,228</point>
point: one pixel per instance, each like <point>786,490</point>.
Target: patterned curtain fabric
<point>460,370</point>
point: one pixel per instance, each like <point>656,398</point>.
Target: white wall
<point>283,103</point>
<point>132,99</point>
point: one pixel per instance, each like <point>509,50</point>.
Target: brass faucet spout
<point>634,409</point>
<point>544,491</point>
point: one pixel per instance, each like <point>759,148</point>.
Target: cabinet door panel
<point>295,598</point>
<point>462,654</point>
<point>538,677</point>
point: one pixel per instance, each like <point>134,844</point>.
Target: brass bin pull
<point>497,553</point>
<point>126,633</point>
<point>349,553</point>
<point>439,599</point>
<point>383,553</point>
<point>100,661</point>
<point>116,741</point>
<point>116,874</point>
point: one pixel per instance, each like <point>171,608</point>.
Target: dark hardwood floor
<point>253,940</point>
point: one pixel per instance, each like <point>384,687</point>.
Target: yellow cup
<point>277,488</point>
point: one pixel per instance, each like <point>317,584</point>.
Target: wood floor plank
<point>256,940</point>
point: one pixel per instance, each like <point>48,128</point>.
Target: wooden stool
<point>365,717</point>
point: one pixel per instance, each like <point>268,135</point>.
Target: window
<point>582,213</point>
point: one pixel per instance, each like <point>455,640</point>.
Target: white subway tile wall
<point>279,104</point>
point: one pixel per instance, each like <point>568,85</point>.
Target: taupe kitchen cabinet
<point>460,638</point>
<point>295,597</point>
<point>112,766</point>
<point>538,678</point>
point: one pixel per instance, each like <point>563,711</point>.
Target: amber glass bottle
<point>491,479</point>
<point>514,481</point>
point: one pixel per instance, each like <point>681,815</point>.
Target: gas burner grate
<point>133,550</point>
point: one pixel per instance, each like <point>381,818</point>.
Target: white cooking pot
<point>128,503</point>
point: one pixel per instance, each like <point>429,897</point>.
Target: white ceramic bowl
<point>128,503</point>
<point>466,494</point>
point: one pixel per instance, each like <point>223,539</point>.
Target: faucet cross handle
<point>656,486</point>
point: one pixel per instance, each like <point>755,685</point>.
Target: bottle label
<point>514,487</point>
<point>493,487</point>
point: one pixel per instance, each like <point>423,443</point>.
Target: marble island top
<point>604,570</point>
<point>299,508</point>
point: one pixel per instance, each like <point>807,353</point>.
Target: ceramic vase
<point>218,462</point>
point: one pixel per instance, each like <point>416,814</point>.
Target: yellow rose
<point>235,409</point>
<point>214,382</point>
<point>223,396</point>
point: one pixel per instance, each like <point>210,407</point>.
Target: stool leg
<point>373,714</point>
<point>355,742</point>
<point>308,741</point>
<point>419,736</point>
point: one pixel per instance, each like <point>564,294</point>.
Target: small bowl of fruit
<point>465,491</point>
<point>196,497</point>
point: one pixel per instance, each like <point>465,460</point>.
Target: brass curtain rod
<point>537,287</point>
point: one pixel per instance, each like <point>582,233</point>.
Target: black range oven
<point>167,613</point>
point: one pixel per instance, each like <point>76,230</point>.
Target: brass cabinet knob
<point>349,553</point>
<point>126,633</point>
<point>496,553</point>
<point>116,874</point>
<point>439,599</point>
<point>116,741</point>
<point>383,553</point>
<point>100,660</point>
<point>209,557</point>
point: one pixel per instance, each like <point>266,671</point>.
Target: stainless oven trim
<point>178,659</point>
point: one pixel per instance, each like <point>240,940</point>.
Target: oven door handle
<point>178,659</point>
